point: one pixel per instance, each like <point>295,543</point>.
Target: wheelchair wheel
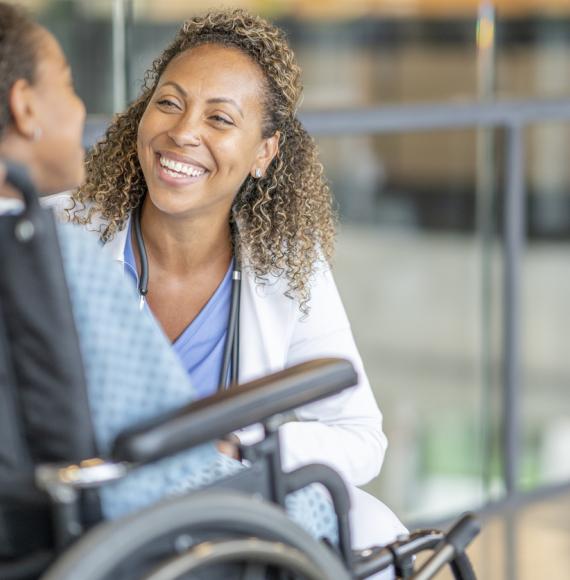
<point>208,534</point>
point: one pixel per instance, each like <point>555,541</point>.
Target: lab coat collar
<point>116,246</point>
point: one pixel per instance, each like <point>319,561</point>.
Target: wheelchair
<point>51,473</point>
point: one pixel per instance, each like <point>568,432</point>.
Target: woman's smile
<point>177,170</point>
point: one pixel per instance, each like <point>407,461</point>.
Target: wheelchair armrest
<point>226,411</point>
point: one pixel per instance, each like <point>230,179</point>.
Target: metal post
<point>485,203</point>
<point>119,56</point>
<point>511,545</point>
<point>514,226</point>
<point>129,32</point>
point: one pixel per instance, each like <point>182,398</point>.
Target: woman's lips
<point>178,173</point>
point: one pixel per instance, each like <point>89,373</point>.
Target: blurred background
<point>420,249</point>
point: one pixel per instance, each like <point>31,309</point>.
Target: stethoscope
<point>231,346</point>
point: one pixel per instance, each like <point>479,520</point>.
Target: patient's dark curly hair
<point>286,220</point>
<point>18,55</point>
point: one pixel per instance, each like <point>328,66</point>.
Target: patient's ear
<point>21,101</point>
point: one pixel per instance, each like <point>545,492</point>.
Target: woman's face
<point>58,156</point>
<point>201,133</point>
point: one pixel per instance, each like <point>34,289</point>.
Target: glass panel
<point>85,31</point>
<point>533,51</point>
<point>353,54</point>
<point>546,316</point>
<point>361,53</point>
<point>409,267</point>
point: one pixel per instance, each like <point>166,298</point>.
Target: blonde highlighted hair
<point>284,222</point>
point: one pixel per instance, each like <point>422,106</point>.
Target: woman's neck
<point>183,245</point>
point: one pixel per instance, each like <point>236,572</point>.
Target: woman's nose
<point>185,132</point>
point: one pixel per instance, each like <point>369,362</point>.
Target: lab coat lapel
<point>266,324</point>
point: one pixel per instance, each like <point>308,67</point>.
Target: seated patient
<point>132,373</point>
<point>208,172</point>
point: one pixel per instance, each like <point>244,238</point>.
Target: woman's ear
<point>265,155</point>
<point>21,101</point>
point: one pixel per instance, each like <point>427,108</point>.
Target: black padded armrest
<point>213,417</point>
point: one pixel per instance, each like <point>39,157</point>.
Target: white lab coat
<point>344,431</point>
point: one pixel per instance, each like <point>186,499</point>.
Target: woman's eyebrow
<point>226,100</point>
<point>177,87</point>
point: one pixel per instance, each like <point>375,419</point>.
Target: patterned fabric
<point>133,375</point>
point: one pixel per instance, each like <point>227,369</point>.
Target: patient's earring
<point>257,173</point>
<point>37,134</point>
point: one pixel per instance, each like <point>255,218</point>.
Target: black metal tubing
<point>226,411</point>
<point>453,545</point>
<point>380,558</point>
<point>334,484</point>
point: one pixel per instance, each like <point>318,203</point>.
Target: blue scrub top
<point>201,346</point>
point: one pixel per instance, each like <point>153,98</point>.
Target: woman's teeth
<point>176,168</point>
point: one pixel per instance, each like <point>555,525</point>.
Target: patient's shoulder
<point>59,203</point>
<point>66,208</point>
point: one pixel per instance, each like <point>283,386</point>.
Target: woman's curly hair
<point>285,220</point>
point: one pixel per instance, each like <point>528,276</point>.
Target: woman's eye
<point>167,103</point>
<point>221,120</point>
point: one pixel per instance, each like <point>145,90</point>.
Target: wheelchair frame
<point>69,487</point>
<point>266,477</point>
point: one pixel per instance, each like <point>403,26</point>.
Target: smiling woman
<point>208,179</point>
<point>198,140</point>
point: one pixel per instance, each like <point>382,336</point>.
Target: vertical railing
<point>121,25</point>
<point>514,235</point>
<point>486,203</point>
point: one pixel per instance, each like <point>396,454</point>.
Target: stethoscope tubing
<point>143,278</point>
<point>231,345</point>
